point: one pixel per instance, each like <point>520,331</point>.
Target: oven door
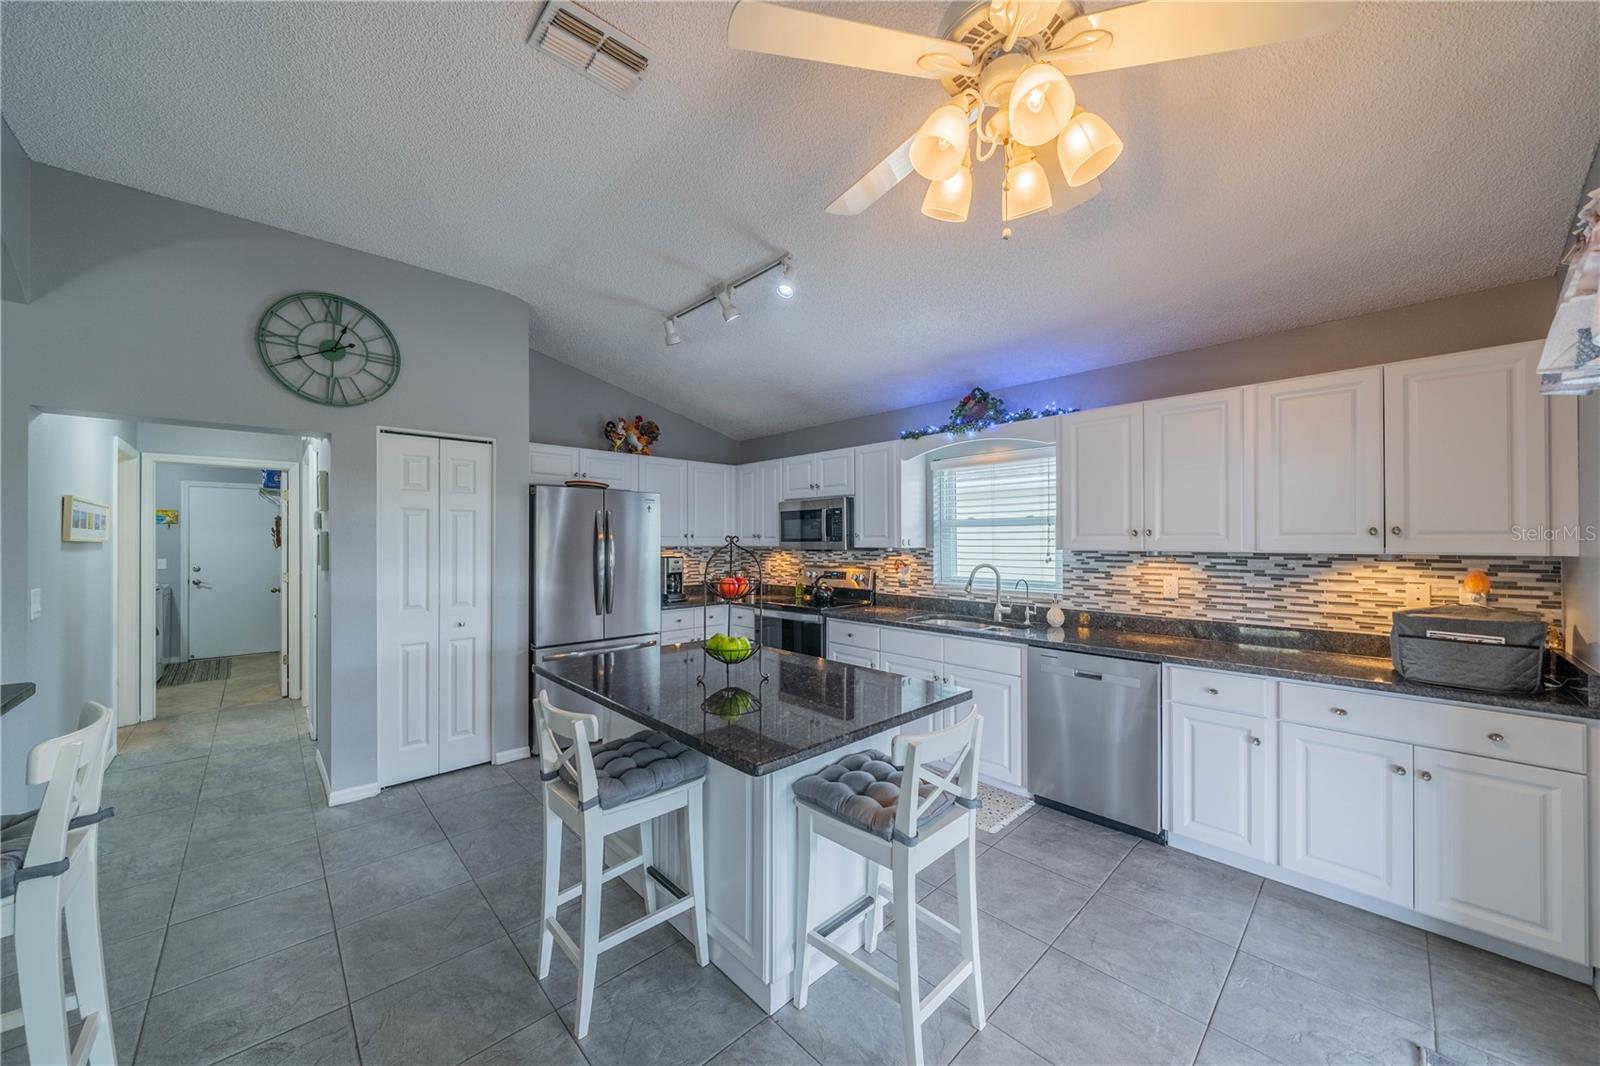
<point>792,631</point>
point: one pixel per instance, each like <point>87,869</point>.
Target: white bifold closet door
<point>433,605</point>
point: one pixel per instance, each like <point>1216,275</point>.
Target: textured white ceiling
<point>1419,151</point>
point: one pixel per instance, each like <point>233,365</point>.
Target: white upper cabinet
<point>757,497</point>
<point>1100,480</point>
<point>1319,463</point>
<point>819,474</point>
<point>1465,453</point>
<point>670,478</point>
<point>877,494</point>
<point>911,513</point>
<point>708,508</point>
<point>799,477</point>
<point>555,464</point>
<point>1195,468</point>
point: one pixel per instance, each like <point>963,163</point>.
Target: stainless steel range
<point>799,627</point>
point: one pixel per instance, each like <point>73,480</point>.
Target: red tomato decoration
<point>732,587</point>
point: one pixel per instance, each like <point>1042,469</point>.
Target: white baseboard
<point>344,795</point>
<point>513,755</point>
<point>327,786</point>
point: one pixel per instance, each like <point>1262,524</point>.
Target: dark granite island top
<point>14,695</point>
<point>807,706</point>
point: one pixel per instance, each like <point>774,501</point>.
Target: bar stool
<point>902,820</point>
<point>598,791</point>
<point>49,861</point>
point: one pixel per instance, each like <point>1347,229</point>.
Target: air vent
<point>590,45</point>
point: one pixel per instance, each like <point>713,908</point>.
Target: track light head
<point>786,281</point>
<point>672,333</point>
<point>725,298</point>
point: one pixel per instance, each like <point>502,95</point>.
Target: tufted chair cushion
<point>863,789</point>
<point>631,768</point>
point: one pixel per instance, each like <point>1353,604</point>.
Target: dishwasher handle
<point>1091,675</point>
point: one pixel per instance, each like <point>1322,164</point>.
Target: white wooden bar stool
<point>600,791</point>
<point>50,857</point>
<point>902,820</point>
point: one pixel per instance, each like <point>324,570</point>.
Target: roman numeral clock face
<point>328,349</point>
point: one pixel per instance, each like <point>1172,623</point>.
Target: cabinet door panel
<point>1345,810</point>
<point>1194,472</point>
<point>771,496</point>
<point>836,472</point>
<point>708,520</point>
<point>669,477</point>
<point>747,504</point>
<point>1500,849</point>
<point>843,653</point>
<point>616,469</point>
<point>1100,479</point>
<point>550,464</point>
<point>799,477</point>
<point>1219,779</point>
<point>998,699</point>
<point>877,495</point>
<point>1465,453</point>
<point>1319,457</point>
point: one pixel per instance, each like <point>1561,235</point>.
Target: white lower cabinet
<point>997,699</point>
<point>1345,810</point>
<point>1219,778</point>
<point>1500,849</point>
<point>844,653</point>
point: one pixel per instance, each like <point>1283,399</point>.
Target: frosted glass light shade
<point>1041,105</point>
<point>940,144</point>
<point>1087,147</point>
<point>1027,190</point>
<point>950,199</point>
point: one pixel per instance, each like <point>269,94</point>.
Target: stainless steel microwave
<point>817,525</point>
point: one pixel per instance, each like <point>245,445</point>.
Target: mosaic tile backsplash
<point>1350,593</point>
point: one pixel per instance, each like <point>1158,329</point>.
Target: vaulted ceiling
<point>1418,151</point>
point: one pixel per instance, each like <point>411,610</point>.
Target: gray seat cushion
<point>16,830</point>
<point>863,789</point>
<point>641,765</point>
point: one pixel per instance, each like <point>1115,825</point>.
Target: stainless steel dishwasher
<point>1094,737</point>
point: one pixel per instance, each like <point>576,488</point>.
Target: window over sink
<point>996,506</point>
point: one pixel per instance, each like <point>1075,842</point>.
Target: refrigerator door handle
<point>554,657</point>
<point>611,562</point>
<point>599,563</point>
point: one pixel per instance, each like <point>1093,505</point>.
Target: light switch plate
<point>35,603</point>
<point>1418,595</point>
<point>1169,586</point>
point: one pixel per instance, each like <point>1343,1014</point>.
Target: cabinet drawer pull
<point>1497,738</point>
<point>1400,771</point>
<point>1340,711</point>
<point>1211,692</point>
<point>1424,775</point>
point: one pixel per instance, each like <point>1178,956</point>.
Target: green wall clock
<point>328,349</point>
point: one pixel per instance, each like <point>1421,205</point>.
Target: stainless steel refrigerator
<point>596,569</point>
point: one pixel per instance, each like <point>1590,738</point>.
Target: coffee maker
<point>672,579</point>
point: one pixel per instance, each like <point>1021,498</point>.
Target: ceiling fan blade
<point>1156,31</point>
<point>787,31</point>
<point>879,180</point>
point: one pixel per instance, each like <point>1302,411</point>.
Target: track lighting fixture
<point>722,294</point>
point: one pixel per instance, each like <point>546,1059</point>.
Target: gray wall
<point>145,308</point>
<point>1458,323</point>
<point>169,539</point>
<point>16,172</point>
<point>568,406</point>
<point>73,637</point>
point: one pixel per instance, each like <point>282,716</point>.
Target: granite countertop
<point>14,694</point>
<point>1321,665</point>
<point>808,706</point>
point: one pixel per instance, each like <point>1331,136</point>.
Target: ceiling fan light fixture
<point>1040,105</point>
<point>1027,190</point>
<point>1087,148</point>
<point>950,199</point>
<point>725,298</point>
<point>941,143</point>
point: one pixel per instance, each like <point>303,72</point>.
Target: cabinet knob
<point>1211,692</point>
<point>1133,532</point>
<point>1400,771</point>
<point>1372,531</point>
<point>1425,775</point>
<point>1496,738</point>
<point>1340,711</point>
<point>1395,530</point>
<point>1147,533</point>
<point>1256,741</point>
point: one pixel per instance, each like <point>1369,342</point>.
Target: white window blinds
<point>1000,510</point>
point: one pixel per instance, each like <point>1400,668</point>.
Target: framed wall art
<point>84,522</point>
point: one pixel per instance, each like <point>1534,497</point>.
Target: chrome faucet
<point>1027,600</point>
<point>999,604</point>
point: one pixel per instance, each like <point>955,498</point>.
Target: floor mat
<point>1000,808</point>
<point>187,673</point>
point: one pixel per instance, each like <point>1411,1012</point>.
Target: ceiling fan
<point>1012,59</point>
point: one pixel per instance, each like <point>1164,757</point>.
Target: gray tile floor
<point>246,921</point>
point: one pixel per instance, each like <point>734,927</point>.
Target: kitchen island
<point>763,724</point>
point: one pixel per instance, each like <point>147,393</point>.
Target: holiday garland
<point>979,410</point>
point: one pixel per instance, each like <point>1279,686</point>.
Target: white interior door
<point>408,608</point>
<point>233,580</point>
<point>466,475</point>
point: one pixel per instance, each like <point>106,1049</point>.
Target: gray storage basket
<point>1435,646</point>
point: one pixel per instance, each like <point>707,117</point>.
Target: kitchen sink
<point>971,625</point>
